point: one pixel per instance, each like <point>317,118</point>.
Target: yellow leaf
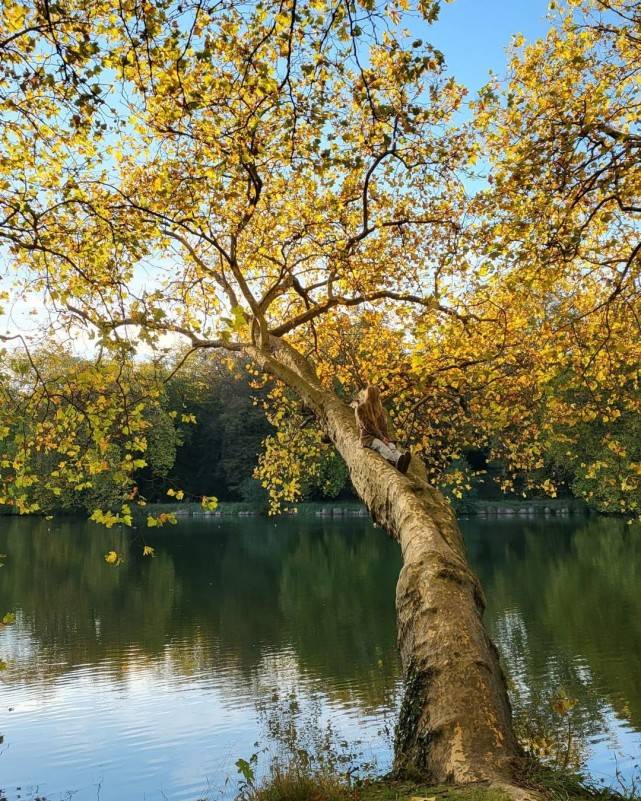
<point>209,503</point>
<point>148,551</point>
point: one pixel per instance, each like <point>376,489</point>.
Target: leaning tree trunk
<point>455,720</point>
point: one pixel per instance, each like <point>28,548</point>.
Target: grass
<point>559,784</point>
<point>401,791</point>
<point>294,785</point>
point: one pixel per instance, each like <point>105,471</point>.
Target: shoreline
<point>503,508</point>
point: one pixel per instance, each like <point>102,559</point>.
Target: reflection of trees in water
<point>341,589</point>
<point>234,600</point>
<point>297,733</point>
<point>247,601</point>
<point>561,737</point>
<point>563,606</point>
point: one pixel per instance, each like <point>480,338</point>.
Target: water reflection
<point>564,604</point>
<point>144,678</point>
<point>214,595</point>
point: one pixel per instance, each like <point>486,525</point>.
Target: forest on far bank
<point>208,428</point>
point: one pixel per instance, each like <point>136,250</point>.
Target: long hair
<point>370,412</point>
<point>372,398</point>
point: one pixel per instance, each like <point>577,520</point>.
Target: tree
<point>562,245</point>
<point>270,176</point>
<point>220,447</point>
<point>76,433</point>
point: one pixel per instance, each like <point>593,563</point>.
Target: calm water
<point>143,681</point>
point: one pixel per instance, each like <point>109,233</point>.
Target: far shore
<point>502,508</point>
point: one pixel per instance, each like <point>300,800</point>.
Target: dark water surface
<point>142,681</point>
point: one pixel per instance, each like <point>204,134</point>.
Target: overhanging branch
<point>338,300</point>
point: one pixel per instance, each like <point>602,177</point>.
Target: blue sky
<point>473,34</point>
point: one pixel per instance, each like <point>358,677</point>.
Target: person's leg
<point>389,453</point>
<point>403,462</point>
<point>392,454</point>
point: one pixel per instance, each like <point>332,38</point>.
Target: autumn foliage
<point>178,177</point>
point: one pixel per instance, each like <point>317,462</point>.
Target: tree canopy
<point>230,175</point>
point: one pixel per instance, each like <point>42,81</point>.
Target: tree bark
<point>455,721</point>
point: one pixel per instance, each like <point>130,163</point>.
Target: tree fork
<point>455,723</point>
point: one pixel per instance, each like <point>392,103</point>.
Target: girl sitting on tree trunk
<point>373,425</point>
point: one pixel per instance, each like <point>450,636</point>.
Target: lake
<point>149,679</point>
